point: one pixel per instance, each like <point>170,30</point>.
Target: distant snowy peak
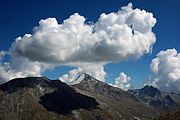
<point>79,79</point>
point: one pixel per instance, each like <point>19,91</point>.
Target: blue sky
<point>19,17</point>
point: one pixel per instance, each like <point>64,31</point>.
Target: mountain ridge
<point>154,97</point>
<point>43,99</point>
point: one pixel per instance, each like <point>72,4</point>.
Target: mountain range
<point>39,98</point>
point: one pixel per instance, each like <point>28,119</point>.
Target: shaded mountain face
<point>29,98</point>
<point>89,99</point>
<point>154,97</point>
<point>149,91</point>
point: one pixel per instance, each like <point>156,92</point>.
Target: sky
<point>19,17</point>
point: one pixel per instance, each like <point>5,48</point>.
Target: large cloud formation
<point>115,37</point>
<point>166,67</point>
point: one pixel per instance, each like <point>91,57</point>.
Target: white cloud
<point>2,54</point>
<point>21,67</point>
<point>109,39</point>
<point>122,81</point>
<point>166,67</point>
<point>115,37</point>
<point>7,73</point>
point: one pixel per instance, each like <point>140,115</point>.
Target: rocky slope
<point>38,98</point>
<point>175,115</point>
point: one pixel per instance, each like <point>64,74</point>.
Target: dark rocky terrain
<point>174,115</point>
<point>38,98</point>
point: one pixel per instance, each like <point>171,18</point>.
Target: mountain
<point>155,98</point>
<point>90,99</point>
<point>92,85</point>
<point>41,98</point>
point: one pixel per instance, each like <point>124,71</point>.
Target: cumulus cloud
<point>2,54</point>
<point>122,81</point>
<point>21,67</point>
<point>166,67</point>
<point>7,73</point>
<point>114,37</point>
<point>109,39</point>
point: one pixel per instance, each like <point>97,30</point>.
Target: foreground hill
<point>43,99</point>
